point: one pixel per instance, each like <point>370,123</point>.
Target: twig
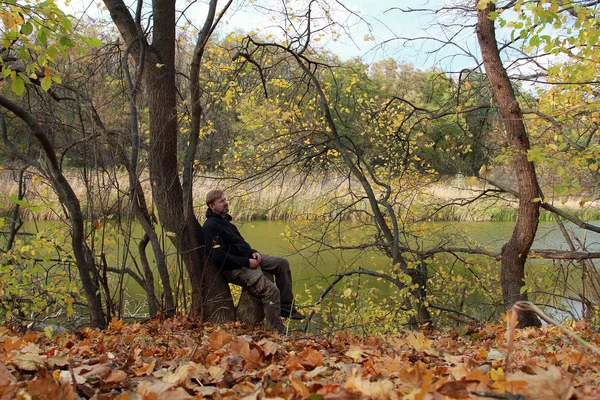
<point>511,322</point>
<point>191,354</point>
<point>527,306</point>
<point>507,396</point>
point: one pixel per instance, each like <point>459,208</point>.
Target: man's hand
<point>253,263</point>
<point>257,257</point>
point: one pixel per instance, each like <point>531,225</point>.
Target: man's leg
<point>262,288</point>
<point>280,268</point>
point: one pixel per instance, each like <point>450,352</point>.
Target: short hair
<point>213,196</point>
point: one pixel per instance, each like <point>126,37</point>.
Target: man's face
<point>220,206</point>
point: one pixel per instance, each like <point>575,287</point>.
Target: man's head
<point>217,202</point>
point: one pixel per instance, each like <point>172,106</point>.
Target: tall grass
<point>280,199</point>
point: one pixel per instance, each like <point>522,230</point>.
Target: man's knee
<point>265,288</point>
<point>285,264</point>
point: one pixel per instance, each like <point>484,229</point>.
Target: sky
<point>369,29</point>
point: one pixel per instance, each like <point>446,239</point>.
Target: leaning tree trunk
<point>514,253</point>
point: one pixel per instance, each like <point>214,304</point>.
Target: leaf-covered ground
<point>180,359</point>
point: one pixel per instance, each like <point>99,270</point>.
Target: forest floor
<point>180,359</point>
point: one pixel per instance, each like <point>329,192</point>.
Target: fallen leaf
<point>161,391</point>
<point>219,338</point>
<point>116,323</point>
<point>216,373</point>
<point>116,376</point>
<point>97,371</point>
<point>418,341</point>
<point>356,353</point>
<point>545,383</point>
<point>58,361</point>
<point>268,347</point>
<point>146,368</point>
<point>380,389</point>
<point>66,377</point>
<point>46,388</point>
<point>12,343</point>
<point>251,356</point>
<point>299,386</point>
<point>310,358</point>
<point>8,388</point>
<point>28,361</point>
<point>185,373</point>
<point>454,389</point>
<point>31,348</point>
<point>315,372</point>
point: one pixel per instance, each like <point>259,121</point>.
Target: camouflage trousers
<point>274,296</point>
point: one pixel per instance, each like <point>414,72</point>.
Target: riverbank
<point>104,195</point>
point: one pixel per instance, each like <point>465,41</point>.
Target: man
<point>243,266</point>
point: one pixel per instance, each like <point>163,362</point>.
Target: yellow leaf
<point>116,323</point>
<point>355,353</point>
<point>300,387</point>
<point>418,341</point>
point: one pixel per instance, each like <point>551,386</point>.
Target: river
<point>312,272</point>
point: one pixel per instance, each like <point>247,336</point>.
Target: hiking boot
<point>295,314</point>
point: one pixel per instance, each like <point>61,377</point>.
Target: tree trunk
<point>83,255</point>
<point>209,300</point>
<point>153,304</point>
<point>514,252</point>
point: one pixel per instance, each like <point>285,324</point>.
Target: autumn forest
<point>376,167</point>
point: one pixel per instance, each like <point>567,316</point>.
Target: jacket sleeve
<point>218,251</point>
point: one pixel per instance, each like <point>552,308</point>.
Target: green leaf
<point>24,53</point>
<point>26,28</point>
<point>66,41</point>
<point>42,37</point>
<point>18,85</point>
<point>523,33</point>
<point>52,52</point>
<point>48,331</point>
<point>46,83</point>
<point>95,42</point>
<point>535,40</point>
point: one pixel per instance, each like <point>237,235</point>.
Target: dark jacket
<point>224,243</point>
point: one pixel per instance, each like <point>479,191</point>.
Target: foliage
<point>181,359</point>
<point>40,35</point>
<point>37,279</point>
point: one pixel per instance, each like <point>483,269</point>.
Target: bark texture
<point>514,252</point>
